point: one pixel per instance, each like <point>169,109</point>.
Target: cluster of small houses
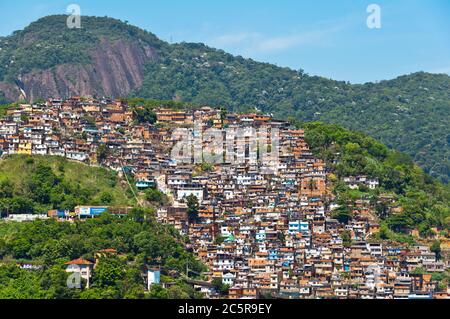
<point>264,225</point>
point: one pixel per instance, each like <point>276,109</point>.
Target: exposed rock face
<point>117,68</point>
<point>11,91</point>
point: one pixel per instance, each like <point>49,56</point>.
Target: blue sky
<point>328,38</point>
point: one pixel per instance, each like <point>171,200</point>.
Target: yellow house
<point>25,148</point>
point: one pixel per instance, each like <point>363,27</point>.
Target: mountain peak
<point>108,57</point>
<point>105,57</point>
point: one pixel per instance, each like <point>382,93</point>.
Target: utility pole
<point>88,277</point>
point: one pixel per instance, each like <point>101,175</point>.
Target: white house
<point>81,267</point>
<point>153,277</point>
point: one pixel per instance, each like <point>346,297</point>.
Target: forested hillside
<point>410,113</point>
<point>39,183</point>
<point>35,184</point>
<point>138,239</point>
<point>421,201</point>
<point>110,57</point>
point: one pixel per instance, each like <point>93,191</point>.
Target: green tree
<point>155,195</point>
<point>54,282</point>
<point>436,248</point>
<point>346,238</point>
<point>110,269</point>
<point>192,208</point>
<point>102,153</point>
<point>382,209</point>
<point>399,222</point>
<point>6,189</point>
<point>157,292</point>
<point>220,287</point>
<point>342,214</point>
<point>106,198</point>
<point>176,292</point>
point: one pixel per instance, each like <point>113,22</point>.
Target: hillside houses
<point>265,225</point>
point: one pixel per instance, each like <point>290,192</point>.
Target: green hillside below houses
<point>422,202</point>
<point>136,242</point>
<point>36,184</point>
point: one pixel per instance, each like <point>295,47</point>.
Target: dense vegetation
<point>48,42</point>
<point>4,108</point>
<point>3,101</point>
<point>144,108</point>
<point>423,202</point>
<point>138,239</point>
<point>34,184</point>
<point>39,183</point>
<point>410,113</point>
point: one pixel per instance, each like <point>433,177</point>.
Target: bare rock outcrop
<point>116,69</point>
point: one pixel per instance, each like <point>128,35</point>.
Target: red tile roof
<point>79,261</point>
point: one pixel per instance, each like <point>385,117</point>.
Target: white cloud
<point>253,42</point>
<point>236,39</point>
<point>286,42</point>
